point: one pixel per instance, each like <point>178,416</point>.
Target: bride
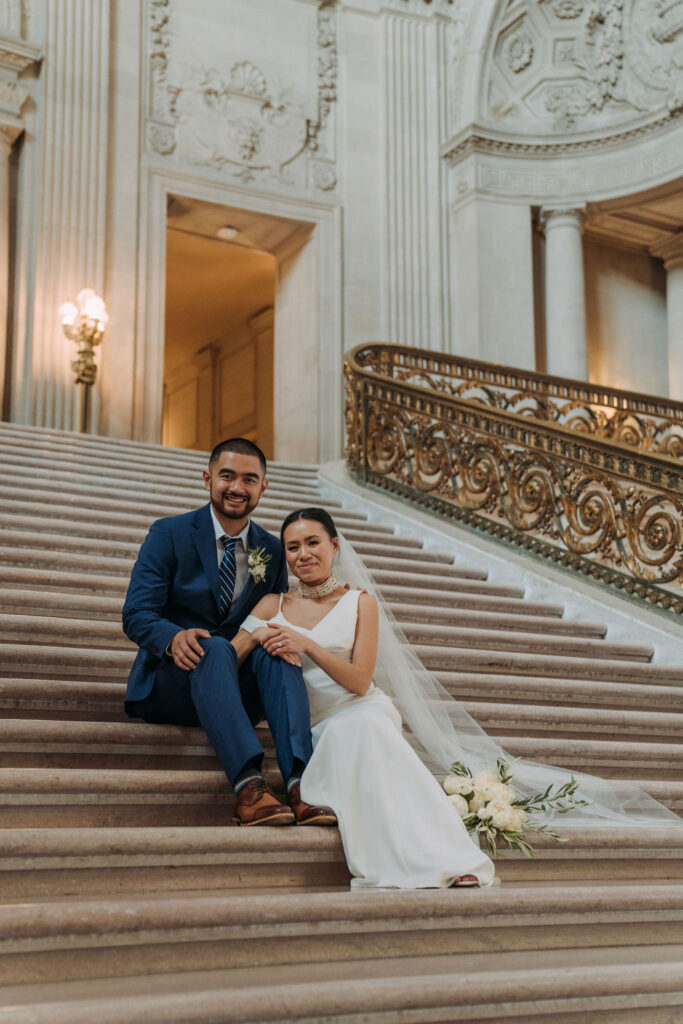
<point>398,827</point>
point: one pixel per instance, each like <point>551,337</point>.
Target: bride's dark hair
<point>318,515</point>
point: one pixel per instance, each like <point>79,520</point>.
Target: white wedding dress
<point>397,826</point>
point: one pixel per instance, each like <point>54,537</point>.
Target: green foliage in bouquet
<point>491,809</point>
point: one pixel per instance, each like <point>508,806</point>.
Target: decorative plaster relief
<point>12,15</point>
<point>240,119</point>
<point>12,98</point>
<point>160,130</point>
<point>625,59</point>
<point>567,8</point>
<point>323,175</point>
<point>518,50</point>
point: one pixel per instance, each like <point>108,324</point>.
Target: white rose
<point>477,801</point>
<point>517,817</point>
<point>460,804</point>
<point>457,784</point>
<point>482,779</point>
<point>498,791</point>
<point>499,812</point>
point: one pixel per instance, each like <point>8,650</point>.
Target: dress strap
<point>279,607</point>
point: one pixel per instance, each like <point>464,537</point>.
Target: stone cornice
<point>10,129</point>
<point>16,55</point>
<point>481,139</point>
<point>671,251</point>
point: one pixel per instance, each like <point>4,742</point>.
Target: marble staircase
<point>126,895</point>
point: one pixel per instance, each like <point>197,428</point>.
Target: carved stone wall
<point>248,111</point>
<point>579,65</point>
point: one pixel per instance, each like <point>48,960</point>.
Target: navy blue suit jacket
<point>174,586</point>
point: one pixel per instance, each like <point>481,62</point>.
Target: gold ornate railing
<point>587,477</point>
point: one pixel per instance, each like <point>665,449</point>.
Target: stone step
<point>155,458</point>
<point>107,549</point>
<point>42,743</point>
<point>21,589</point>
<point>97,526</point>
<point>87,797</point>
<point>175,479</point>
<point>440,660</point>
<point>103,701</point>
<point>148,503</point>
<point>547,692</point>
<point>37,602</point>
<point>109,937</point>
<point>129,485</point>
<point>138,512</point>
<point>634,985</point>
<point>29,661</point>
<point>513,603</point>
<point>41,864</point>
<point>73,632</point>
<point>29,439</point>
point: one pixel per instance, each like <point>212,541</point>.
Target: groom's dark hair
<point>242,447</point>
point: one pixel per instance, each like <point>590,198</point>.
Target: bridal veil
<point>441,731</point>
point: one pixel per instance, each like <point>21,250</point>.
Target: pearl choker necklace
<point>328,587</point>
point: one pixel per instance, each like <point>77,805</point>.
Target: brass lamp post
<point>84,322</point>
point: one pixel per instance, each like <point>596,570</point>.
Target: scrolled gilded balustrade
<point>587,477</point>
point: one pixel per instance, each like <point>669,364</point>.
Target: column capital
<point>10,130</point>
<point>556,214</point>
<point>671,251</point>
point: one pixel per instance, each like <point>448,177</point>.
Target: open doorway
<point>223,270</point>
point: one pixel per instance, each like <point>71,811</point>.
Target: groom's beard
<point>232,510</point>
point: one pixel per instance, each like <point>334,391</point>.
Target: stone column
<point>415,190</point>
<point>72,203</point>
<point>565,303</point>
<point>671,252</point>
<point>8,133</point>
<point>16,56</point>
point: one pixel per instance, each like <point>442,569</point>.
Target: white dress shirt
<point>241,554</point>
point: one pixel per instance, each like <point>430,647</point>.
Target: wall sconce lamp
<point>84,322</point>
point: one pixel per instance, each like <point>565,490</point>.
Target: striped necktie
<point>227,574</point>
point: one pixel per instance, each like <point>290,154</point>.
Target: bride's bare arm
<point>355,675</point>
<point>244,643</point>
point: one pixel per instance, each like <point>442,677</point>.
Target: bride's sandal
<point>465,882</point>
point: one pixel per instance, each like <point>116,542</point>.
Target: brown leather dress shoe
<point>256,804</point>
<point>306,814</point>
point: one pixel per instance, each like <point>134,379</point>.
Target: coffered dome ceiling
<point>561,67</point>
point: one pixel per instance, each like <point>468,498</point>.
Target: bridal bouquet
<point>489,806</point>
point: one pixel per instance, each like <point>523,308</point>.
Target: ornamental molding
<point>563,67</point>
<point>13,15</point>
<point>546,181</point>
<point>16,57</point>
<point>239,119</point>
<point>671,251</point>
<point>483,139</point>
<point>10,130</point>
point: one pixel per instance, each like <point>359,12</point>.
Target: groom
<point>197,577</point>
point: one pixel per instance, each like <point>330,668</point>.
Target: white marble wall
<point>406,133</point>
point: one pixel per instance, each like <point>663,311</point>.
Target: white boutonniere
<point>257,560</point>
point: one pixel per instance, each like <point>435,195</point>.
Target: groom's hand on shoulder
<point>186,649</point>
<point>347,586</point>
